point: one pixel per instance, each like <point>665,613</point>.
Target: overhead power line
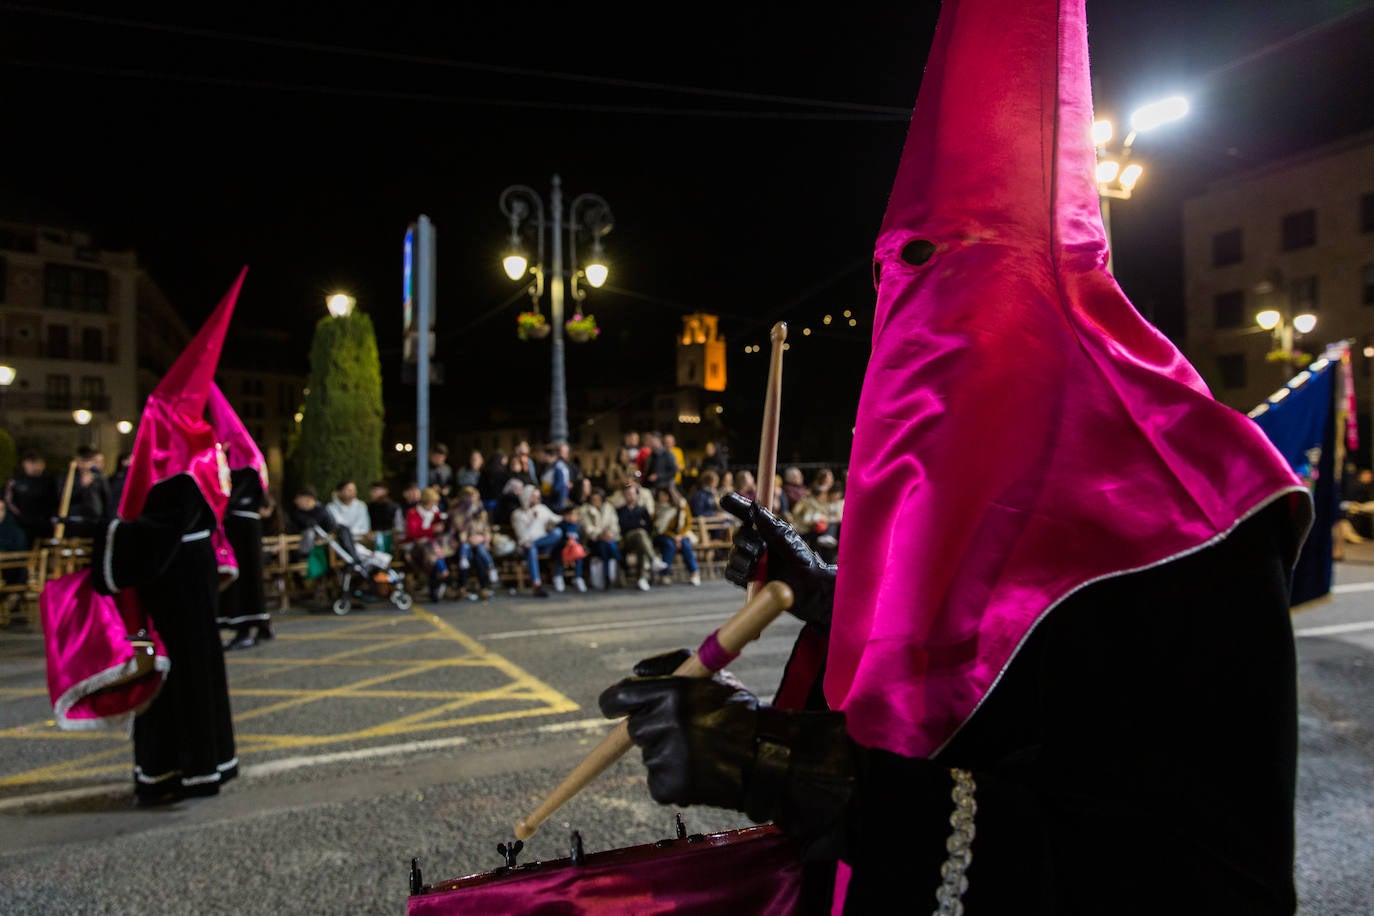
<point>423,60</point>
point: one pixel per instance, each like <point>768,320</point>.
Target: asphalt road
<point>368,739</point>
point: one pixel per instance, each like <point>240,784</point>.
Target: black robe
<point>245,600</point>
<point>1137,756</point>
<point>184,740</point>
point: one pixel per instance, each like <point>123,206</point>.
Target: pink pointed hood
<point>1022,431</point>
<point>173,436</point>
<point>240,451</point>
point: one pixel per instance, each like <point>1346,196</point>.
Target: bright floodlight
<point>1107,170</point>
<point>340,304</point>
<point>1130,175</point>
<point>124,427</point>
<point>515,265</point>
<point>596,274</point>
<point>6,375</point>
<point>82,416</point>
<point>1102,132</point>
<point>1148,117</point>
<point>1304,324</point>
<point>1268,319</point>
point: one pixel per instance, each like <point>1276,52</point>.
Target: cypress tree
<point>341,430</point>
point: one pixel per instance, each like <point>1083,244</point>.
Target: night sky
<point>746,152</point>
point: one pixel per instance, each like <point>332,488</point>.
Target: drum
<point>753,870</point>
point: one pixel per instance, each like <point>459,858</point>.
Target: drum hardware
<point>576,854</point>
<point>417,881</point>
<point>510,852</point>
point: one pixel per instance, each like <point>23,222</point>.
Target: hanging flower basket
<point>581,328</point>
<point>531,326</point>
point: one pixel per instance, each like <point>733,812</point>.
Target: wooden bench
<point>31,569</point>
<point>714,538</point>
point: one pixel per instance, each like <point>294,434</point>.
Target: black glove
<point>662,665</point>
<point>790,559</point>
<point>707,743</point>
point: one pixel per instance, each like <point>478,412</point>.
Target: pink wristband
<point>712,655</point>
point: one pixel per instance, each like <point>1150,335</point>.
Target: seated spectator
<point>474,533</point>
<point>744,484</point>
<point>429,542</point>
<point>556,482</point>
<point>12,540</point>
<point>793,490</point>
<point>116,481</point>
<point>471,474</point>
<point>90,506</point>
<point>601,526</point>
<point>441,473</point>
<point>522,465</point>
<point>823,481</point>
<point>673,534</point>
<point>538,529</point>
<point>574,544</point>
<point>32,495</point>
<point>636,534</point>
<point>351,512</point>
<point>493,479</point>
<point>508,502</point>
<point>410,497</point>
<point>385,517</point>
<point>705,499</point>
<point>811,519</point>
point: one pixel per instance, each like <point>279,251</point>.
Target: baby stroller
<point>366,574</point>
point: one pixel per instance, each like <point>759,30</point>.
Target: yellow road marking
<point>522,689</point>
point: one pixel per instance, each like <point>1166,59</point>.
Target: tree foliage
<point>341,430</point>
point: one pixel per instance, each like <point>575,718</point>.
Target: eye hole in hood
<point>918,251</point>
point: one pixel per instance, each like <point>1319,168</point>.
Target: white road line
<point>288,764</point>
<point>1349,587</point>
<point>1335,628</point>
<point>602,627</point>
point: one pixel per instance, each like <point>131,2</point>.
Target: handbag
<point>573,551</point>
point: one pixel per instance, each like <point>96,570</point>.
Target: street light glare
<point>1268,319</point>
<point>1304,323</point>
<point>596,274</point>
<point>6,376</point>
<point>1130,175</point>
<point>1107,171</point>
<point>515,265</point>
<point>340,304</point>
<point>1102,132</point>
<point>1150,116</point>
<point>124,427</point>
<point>81,416</point>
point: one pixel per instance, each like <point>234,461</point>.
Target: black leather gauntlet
<point>789,558</point>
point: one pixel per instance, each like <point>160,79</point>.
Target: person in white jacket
<point>538,529</point>
<point>601,524</point>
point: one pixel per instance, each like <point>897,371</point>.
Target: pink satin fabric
<point>755,871</point>
<point>173,436</point>
<point>90,657</point>
<point>239,448</point>
<point>1022,431</point>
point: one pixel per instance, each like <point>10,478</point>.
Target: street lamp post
<point>588,213</point>
<point>1284,327</point>
<point>1117,176</point>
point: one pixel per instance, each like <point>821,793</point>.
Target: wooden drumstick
<point>66,504</point>
<point>768,437</point>
<point>715,652</point>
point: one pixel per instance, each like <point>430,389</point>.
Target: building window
<point>80,289</point>
<point>1303,291</point>
<point>57,392</point>
<point>59,342</point>
<point>92,392</point>
<point>1299,230</point>
<point>1367,284</point>
<point>1231,366</point>
<point>1367,212</point>
<point>1228,309</point>
<point>92,345</point>
<point>1228,248</point>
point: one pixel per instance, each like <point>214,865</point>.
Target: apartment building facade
<point>1295,237</point>
<point>68,317</point>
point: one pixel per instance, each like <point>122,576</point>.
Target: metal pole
<point>1107,229</point>
<point>424,300</point>
<point>558,401</point>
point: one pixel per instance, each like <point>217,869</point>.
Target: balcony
<point>31,349</point>
<point>53,400</point>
